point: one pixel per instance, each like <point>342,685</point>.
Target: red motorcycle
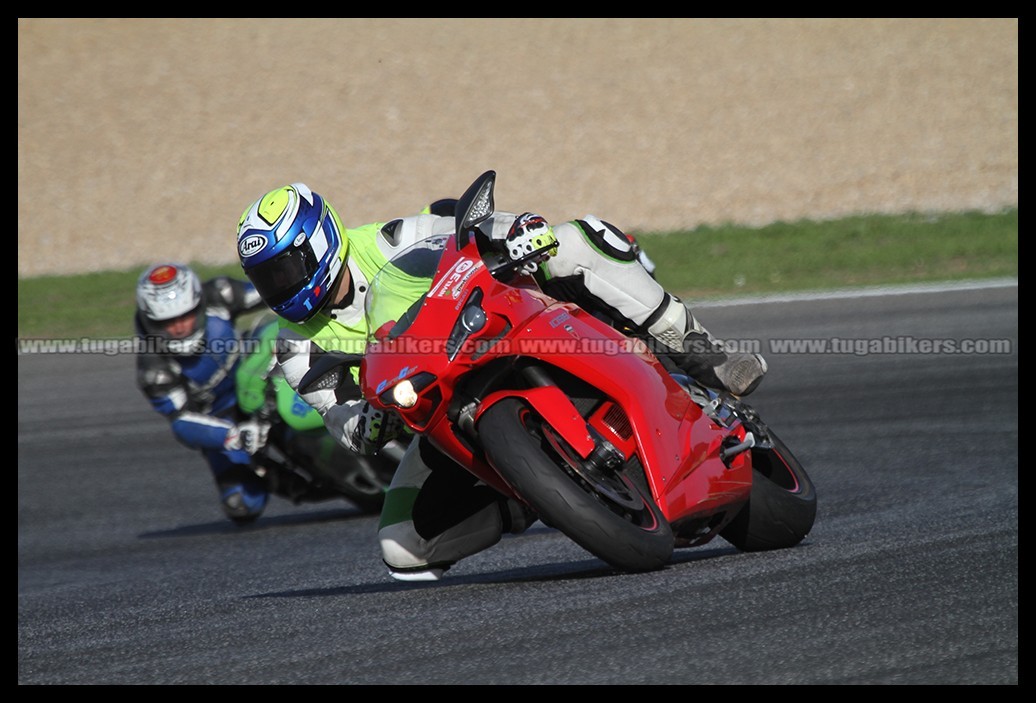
<point>561,411</point>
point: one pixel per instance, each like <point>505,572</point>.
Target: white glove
<point>529,233</point>
<point>249,435</point>
<point>374,429</point>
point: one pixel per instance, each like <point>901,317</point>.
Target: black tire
<point>366,482</point>
<point>631,536</point>
<point>782,506</point>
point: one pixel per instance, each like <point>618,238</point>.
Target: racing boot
<point>515,517</point>
<point>243,494</point>
<point>677,334</point>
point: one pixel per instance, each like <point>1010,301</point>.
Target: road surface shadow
<point>539,573</point>
<point>225,526</point>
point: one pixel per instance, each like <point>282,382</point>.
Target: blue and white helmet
<point>292,247</point>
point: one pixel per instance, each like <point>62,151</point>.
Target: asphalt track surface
<point>129,574</point>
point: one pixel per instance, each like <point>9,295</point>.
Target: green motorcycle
<point>301,461</point>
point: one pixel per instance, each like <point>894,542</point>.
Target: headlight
<point>404,394</point>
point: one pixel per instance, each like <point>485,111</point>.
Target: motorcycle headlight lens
<point>404,394</point>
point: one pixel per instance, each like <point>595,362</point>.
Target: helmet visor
<point>176,327</point>
<point>284,275</point>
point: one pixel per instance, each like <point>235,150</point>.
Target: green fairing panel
<point>296,412</point>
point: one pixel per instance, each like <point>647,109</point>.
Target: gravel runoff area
<point>141,139</point>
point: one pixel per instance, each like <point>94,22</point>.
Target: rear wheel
<point>782,506</point>
<point>604,512</point>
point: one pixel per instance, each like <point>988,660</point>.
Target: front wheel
<point>783,502</point>
<point>608,515</point>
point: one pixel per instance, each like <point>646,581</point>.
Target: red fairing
<point>677,446</point>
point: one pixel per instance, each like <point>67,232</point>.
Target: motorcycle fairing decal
<point>403,373</point>
<point>453,282</point>
<point>559,318</point>
<point>299,407</point>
